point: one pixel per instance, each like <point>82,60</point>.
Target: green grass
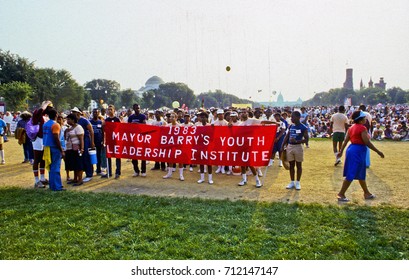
<point>39,224</point>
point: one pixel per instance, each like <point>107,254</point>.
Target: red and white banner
<point>208,145</point>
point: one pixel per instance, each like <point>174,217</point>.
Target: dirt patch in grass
<point>387,178</point>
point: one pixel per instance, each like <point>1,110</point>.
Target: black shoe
<point>117,176</point>
<point>77,184</point>
<point>104,176</point>
<point>155,168</point>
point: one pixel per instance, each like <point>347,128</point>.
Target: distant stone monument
<point>348,81</point>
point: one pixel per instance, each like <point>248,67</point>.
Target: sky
<point>296,47</point>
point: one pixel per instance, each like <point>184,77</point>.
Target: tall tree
<point>14,68</point>
<point>103,90</point>
<point>15,95</point>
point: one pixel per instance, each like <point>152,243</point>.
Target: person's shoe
<point>39,185</point>
<point>270,163</point>
<point>200,181</point>
<point>228,172</point>
<point>87,179</point>
<point>77,184</point>
<point>25,161</point>
<point>143,174</point>
<point>155,168</point>
<point>3,162</point>
<point>371,196</point>
<point>290,186</point>
<point>117,176</point>
<point>45,182</point>
<point>218,170</point>
<point>297,186</point>
<point>71,182</point>
<point>191,169</point>
<point>211,182</point>
<point>223,171</point>
<point>181,178</point>
<point>135,174</point>
<point>104,176</point>
<point>167,176</point>
<point>280,164</point>
<point>337,161</point>
<point>260,174</point>
<point>258,183</point>
<point>242,183</point>
<point>342,199</point>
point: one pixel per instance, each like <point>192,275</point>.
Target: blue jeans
<point>55,167</point>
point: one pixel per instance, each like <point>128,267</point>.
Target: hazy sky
<point>293,47</point>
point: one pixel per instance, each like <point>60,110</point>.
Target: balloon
<point>101,101</point>
<point>175,104</point>
<point>228,68</point>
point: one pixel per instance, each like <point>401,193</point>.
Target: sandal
<point>372,196</point>
<point>342,199</point>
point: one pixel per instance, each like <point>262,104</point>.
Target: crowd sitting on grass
<point>81,131</point>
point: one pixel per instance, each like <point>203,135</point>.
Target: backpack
<point>32,129</point>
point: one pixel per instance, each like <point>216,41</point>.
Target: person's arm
<point>365,138</point>
<point>344,144</point>
<point>56,136</point>
<point>285,142</point>
<point>91,134</point>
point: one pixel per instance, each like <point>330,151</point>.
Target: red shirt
<point>355,133</point>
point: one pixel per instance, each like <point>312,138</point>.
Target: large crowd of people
<point>73,135</point>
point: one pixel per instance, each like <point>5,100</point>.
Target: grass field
<point>106,220</point>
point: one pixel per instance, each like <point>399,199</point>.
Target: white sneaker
<point>223,171</point>
<point>258,183</point>
<point>260,174</point>
<point>3,162</point>
<point>242,182</point>
<point>200,181</point>
<point>191,169</point>
<point>297,186</point>
<point>167,176</point>
<point>143,174</point>
<point>87,179</point>
<point>271,162</point>
<point>290,186</point>
<point>337,161</point>
<point>211,182</point>
<point>218,170</point>
<point>135,174</point>
<point>181,178</point>
<point>228,172</point>
<point>280,163</point>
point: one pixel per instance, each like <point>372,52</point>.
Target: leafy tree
<point>127,98</point>
<point>176,92</point>
<point>15,95</point>
<point>221,99</point>
<point>14,68</point>
<point>105,90</point>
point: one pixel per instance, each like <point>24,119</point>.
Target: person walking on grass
<point>338,126</point>
<point>53,151</point>
<point>3,132</point>
<point>297,135</point>
<point>112,118</point>
<point>355,158</point>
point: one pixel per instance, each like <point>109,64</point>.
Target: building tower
<point>381,84</point>
<point>370,83</point>
<point>348,81</point>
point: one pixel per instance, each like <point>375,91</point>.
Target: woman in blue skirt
<point>355,161</point>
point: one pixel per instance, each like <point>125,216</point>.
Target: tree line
<point>24,86</point>
<point>369,96</point>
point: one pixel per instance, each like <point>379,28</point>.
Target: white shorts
<point>38,144</point>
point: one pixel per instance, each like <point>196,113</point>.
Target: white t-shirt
<point>338,122</point>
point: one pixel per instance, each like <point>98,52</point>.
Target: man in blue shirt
<point>97,126</point>
<point>138,118</point>
<point>297,135</point>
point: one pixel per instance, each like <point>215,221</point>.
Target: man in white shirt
<point>8,118</point>
<point>338,127</point>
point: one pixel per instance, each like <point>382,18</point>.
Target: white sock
<point>2,155</point>
<point>257,178</point>
<point>210,177</point>
<point>244,176</point>
<point>202,176</point>
<point>181,171</point>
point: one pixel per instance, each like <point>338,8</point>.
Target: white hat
<point>151,112</point>
<point>220,111</point>
<point>233,114</point>
<point>76,110</point>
